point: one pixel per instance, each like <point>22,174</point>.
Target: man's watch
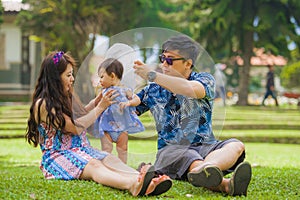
<point>151,76</point>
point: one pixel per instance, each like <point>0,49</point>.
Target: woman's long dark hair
<point>49,89</point>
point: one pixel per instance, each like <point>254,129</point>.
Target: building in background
<point>19,56</point>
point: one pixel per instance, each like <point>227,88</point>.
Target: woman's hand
<point>106,100</point>
<point>85,121</point>
<point>98,98</point>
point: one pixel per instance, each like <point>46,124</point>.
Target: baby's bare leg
<point>107,143</point>
<point>122,146</point>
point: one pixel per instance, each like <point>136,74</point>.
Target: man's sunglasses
<point>169,61</point>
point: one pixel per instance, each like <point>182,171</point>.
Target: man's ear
<point>189,63</point>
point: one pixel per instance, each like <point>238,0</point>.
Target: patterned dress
<point>64,156</point>
<point>115,120</point>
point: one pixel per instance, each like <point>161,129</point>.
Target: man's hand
<point>141,69</point>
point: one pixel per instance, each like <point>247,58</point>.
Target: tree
<point>233,28</point>
<point>1,13</point>
<point>150,16</point>
<point>73,24</point>
<point>63,25</point>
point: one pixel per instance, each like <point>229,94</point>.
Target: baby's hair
<point>111,65</point>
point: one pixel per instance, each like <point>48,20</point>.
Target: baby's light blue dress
<point>114,120</point>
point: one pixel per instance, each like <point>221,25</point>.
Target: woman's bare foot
<point>140,186</point>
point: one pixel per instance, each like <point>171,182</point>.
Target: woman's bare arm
<point>83,122</point>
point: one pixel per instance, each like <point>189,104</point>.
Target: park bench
<point>292,95</point>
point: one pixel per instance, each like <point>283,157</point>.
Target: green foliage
<point>255,84</point>
<point>152,14</point>
<point>67,25</point>
<point>124,15</point>
<point>220,25</point>
<point>290,76</point>
<point>62,25</point>
<point>295,55</point>
<point>1,13</point>
<point>229,28</point>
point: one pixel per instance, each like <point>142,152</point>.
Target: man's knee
<point>238,147</point>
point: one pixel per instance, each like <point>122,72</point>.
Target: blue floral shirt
<point>180,119</point>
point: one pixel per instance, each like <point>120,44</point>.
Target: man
<point>270,86</point>
<point>181,103</point>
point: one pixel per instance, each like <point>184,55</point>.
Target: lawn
<point>274,166</point>
<point>251,124</point>
<point>271,136</point>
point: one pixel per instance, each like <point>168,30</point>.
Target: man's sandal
<point>146,175</point>
<point>240,179</point>
<point>208,176</point>
<point>159,185</point>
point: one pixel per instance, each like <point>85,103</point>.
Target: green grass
<point>232,117</point>
<point>271,124</point>
<point>275,174</point>
<point>276,164</point>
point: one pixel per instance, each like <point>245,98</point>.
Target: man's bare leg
<point>223,158</point>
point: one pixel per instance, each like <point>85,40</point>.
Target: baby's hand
<point>124,105</point>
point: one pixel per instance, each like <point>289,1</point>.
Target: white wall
<point>12,43</point>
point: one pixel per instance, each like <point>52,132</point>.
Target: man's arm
<point>176,85</point>
<point>180,86</point>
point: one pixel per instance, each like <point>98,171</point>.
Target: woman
<point>66,152</point>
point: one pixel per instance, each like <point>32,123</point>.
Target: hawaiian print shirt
<point>180,119</point>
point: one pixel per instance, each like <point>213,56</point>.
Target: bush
<point>290,76</point>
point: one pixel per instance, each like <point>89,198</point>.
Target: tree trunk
<point>244,81</point>
<point>247,51</point>
<point>244,71</point>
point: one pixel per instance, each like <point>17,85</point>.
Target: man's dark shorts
<point>175,160</point>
